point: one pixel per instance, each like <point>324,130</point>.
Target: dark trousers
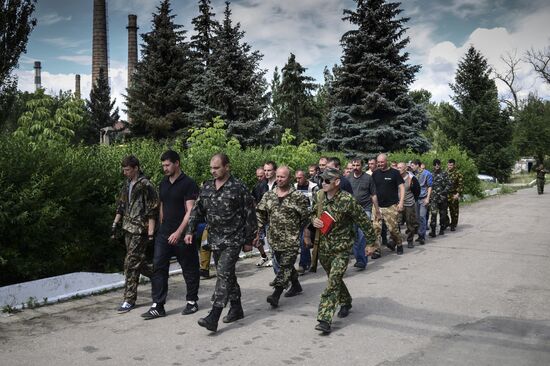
<point>188,258</point>
<point>227,287</point>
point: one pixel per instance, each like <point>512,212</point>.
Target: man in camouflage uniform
<point>438,201</point>
<point>228,208</point>
<point>457,187</point>
<point>335,246</point>
<point>285,211</point>
<point>137,207</point>
<point>540,178</point>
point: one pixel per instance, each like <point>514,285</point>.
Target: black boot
<point>210,322</point>
<point>442,230</point>
<point>295,289</point>
<point>235,312</point>
<point>273,299</point>
<point>432,232</point>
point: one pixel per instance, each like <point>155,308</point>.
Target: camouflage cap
<point>330,173</point>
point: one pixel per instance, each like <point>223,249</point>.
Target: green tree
<point>157,101</point>
<point>373,111</point>
<point>275,105</point>
<point>297,109</point>
<point>324,99</point>
<point>479,125</point>
<point>100,108</point>
<point>233,87</point>
<point>532,129</point>
<point>16,23</point>
<point>43,122</point>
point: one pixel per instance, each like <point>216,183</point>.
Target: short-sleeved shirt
<point>363,189</point>
<point>173,197</point>
<point>345,185</point>
<point>387,186</point>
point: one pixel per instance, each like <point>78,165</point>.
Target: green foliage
<point>532,129</point>
<point>295,104</point>
<point>49,120</point>
<point>158,99</point>
<point>479,126</point>
<point>100,109</point>
<point>464,163</point>
<point>16,23</point>
<point>373,111</point>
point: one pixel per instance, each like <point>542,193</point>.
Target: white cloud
<point>53,83</point>
<point>85,60</point>
<point>440,62</point>
<point>63,42</point>
<point>52,18</point>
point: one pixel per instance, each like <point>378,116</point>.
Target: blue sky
<point>440,32</point>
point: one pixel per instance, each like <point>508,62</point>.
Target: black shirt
<point>173,197</point>
<point>387,186</point>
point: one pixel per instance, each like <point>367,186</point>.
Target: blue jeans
<point>421,212</point>
<point>305,254</point>
<point>360,244</point>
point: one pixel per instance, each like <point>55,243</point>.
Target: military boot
<point>442,230</point>
<point>432,232</point>
<point>294,290</point>
<point>210,322</point>
<point>273,299</point>
<point>235,312</point>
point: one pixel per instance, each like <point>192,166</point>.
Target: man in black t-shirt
<point>390,191</point>
<point>177,194</point>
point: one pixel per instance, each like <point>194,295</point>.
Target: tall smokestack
<point>77,86</point>
<point>132,46</point>
<point>37,75</point>
<point>99,41</point>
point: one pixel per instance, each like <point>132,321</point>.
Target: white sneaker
<point>269,263</point>
<point>125,307</point>
<point>262,261</point>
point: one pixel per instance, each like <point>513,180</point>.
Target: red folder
<point>328,222</point>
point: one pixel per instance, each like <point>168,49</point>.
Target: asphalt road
<point>478,296</point>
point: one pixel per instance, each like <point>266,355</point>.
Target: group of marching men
<point>287,212</point>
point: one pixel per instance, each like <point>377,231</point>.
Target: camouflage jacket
<point>441,186</point>
<point>285,216</point>
<point>229,213</point>
<point>540,173</point>
<point>141,206</point>
<point>346,211</point>
<point>457,182</point>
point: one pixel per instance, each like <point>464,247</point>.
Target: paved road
<point>479,296</point>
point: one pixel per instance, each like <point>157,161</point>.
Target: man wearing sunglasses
<point>335,245</point>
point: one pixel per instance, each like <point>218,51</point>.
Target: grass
<point>523,178</point>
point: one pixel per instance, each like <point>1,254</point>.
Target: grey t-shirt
<point>363,188</point>
<point>409,196</point>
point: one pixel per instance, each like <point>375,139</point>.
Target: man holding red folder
<point>336,243</point>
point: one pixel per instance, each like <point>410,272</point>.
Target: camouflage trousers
<point>336,293</point>
<point>408,216</point>
<point>134,264</point>
<point>390,215</point>
<point>454,206</point>
<point>227,288</point>
<point>287,273</point>
<point>540,186</point>
<point>441,209</point>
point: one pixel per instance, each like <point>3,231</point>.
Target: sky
<point>440,33</point>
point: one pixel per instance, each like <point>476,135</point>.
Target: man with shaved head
<point>390,191</point>
<point>284,212</point>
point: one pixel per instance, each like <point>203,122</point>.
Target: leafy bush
<point>464,164</point>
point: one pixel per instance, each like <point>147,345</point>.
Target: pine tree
<point>296,103</point>
<point>275,105</point>
<point>203,41</point>
<point>373,111</point>
<point>480,126</point>
<point>233,87</point>
<point>158,100</point>
<point>100,109</point>
<point>324,99</point>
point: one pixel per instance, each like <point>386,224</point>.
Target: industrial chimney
<point>77,86</point>
<point>132,46</point>
<point>37,75</point>
<point>99,40</point>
